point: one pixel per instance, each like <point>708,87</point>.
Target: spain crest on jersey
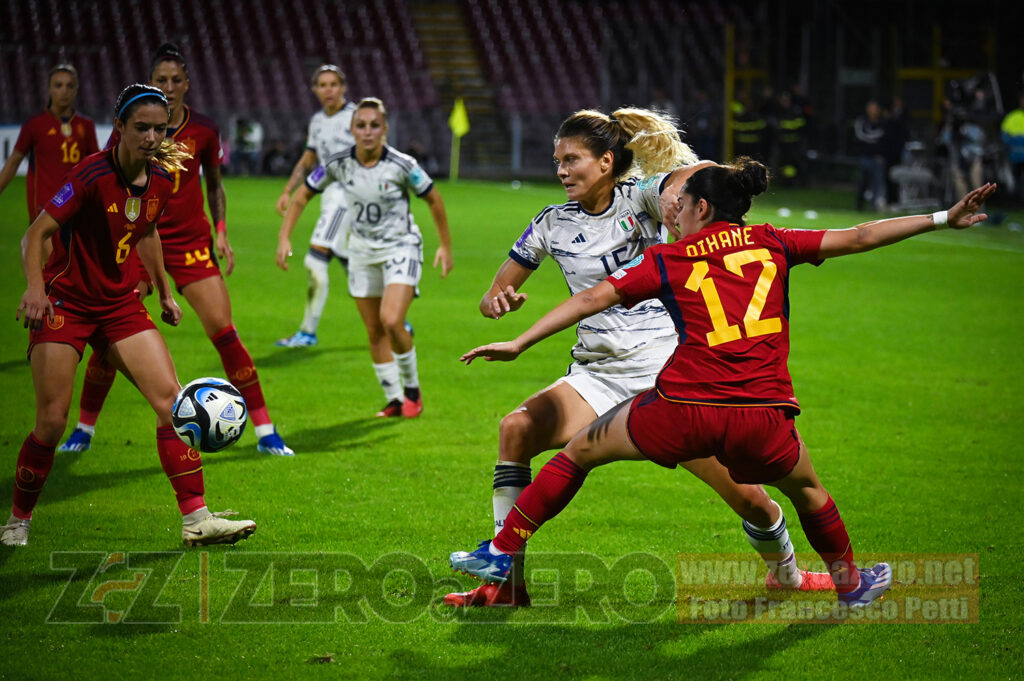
<point>626,220</point>
<point>190,145</point>
<point>152,209</point>
<point>132,207</point>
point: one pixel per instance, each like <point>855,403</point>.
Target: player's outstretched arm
<point>34,303</point>
<point>877,233</point>
<point>668,200</point>
<point>303,167</point>
<point>151,253</point>
<point>10,169</point>
<point>443,257</point>
<point>567,313</point>
<point>291,218</point>
<point>503,296</point>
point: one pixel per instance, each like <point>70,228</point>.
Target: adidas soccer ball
<point>209,414</point>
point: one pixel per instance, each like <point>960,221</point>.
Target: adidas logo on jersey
<point>580,239</point>
<point>112,208</point>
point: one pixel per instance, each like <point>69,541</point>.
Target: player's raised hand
<point>965,212</point>
<point>501,352</point>
<point>35,305</point>
<point>506,301</point>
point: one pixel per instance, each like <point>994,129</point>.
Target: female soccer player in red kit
<point>189,258</point>
<point>54,140</point>
<point>107,208</point>
<point>726,391</point>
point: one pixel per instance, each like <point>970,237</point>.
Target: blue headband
<point>140,96</point>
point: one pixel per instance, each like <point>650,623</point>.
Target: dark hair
<point>65,68</point>
<point>327,68</point>
<point>133,96</point>
<point>169,52</point>
<point>729,188</point>
<point>642,142</point>
<point>60,68</point>
<point>599,133</point>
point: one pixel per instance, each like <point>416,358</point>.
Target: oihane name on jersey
<point>730,238</point>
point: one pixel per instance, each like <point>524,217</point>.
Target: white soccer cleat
<point>216,529</point>
<point>15,532</point>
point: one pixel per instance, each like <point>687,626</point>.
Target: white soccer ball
<point>209,414</point>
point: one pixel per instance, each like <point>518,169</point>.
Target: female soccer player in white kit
<point>385,245</point>
<point>329,132</point>
<point>611,217</point>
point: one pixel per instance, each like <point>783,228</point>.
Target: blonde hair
<point>171,155</point>
<point>642,142</point>
<point>373,103</point>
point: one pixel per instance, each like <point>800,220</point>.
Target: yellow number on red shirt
<point>723,331</point>
<point>123,248</point>
<point>71,152</point>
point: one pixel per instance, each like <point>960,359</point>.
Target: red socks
<point>827,535</point>
<point>551,491</point>
<point>34,463</point>
<point>99,377</point>
<point>242,373</point>
<point>184,468</point>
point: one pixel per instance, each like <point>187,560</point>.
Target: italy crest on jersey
<point>132,207</point>
<point>626,220</point>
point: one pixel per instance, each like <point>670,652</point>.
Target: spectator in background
<point>897,134</point>
<point>276,161</point>
<point>250,145</point>
<point>54,140</point>
<point>792,136</point>
<point>703,128</point>
<point>869,130</point>
<point>964,140</point>
<point>1013,137</point>
<point>749,128</point>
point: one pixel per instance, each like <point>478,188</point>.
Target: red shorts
<point>187,266</point>
<point>98,328</point>
<point>756,444</point>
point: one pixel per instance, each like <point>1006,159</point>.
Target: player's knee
<point>393,323</point>
<point>517,434</point>
<point>50,423</point>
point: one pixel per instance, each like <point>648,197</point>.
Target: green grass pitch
<point>907,361</point>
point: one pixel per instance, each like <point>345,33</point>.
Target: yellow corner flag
<point>459,120</point>
<point>459,123</point>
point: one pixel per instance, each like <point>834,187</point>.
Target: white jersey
<point>328,135</point>
<point>589,248</point>
<point>379,216</point>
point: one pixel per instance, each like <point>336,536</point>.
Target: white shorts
<point>331,230</point>
<point>602,390</point>
<point>367,277</point>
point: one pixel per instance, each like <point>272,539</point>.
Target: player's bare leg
<point>394,307</point>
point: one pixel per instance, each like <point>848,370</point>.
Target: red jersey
<point>727,290</point>
<point>184,222</point>
<point>102,217</point>
<point>53,147</point>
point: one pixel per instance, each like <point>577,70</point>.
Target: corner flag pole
<point>458,121</point>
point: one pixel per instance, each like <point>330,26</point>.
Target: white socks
<point>776,549</point>
<point>387,376</point>
<point>316,296</point>
<point>407,368</point>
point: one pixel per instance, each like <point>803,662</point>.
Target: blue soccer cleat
<point>873,583</point>
<point>300,339</point>
<point>273,444</point>
<point>481,563</point>
<point>79,441</point>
